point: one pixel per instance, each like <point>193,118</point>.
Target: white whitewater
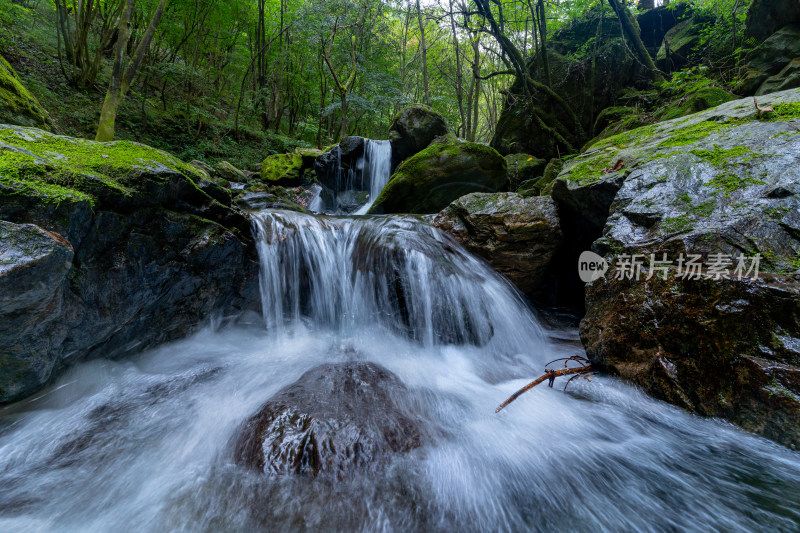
<point>378,168</point>
<point>145,444</point>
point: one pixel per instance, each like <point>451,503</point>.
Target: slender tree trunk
<point>476,72</point>
<point>459,75</point>
<point>631,31</point>
<point>543,37</point>
<point>424,50</point>
<point>120,83</point>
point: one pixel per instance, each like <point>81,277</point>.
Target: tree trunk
<point>120,83</point>
<point>424,50</point>
<point>459,76</point>
<point>543,37</point>
<point>343,127</point>
<point>631,31</point>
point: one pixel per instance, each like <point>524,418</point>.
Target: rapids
<point>144,444</point>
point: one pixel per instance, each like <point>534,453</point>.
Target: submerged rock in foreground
<point>154,249</point>
<point>722,185</point>
<point>335,420</point>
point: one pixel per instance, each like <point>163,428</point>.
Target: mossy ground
<point>57,168</point>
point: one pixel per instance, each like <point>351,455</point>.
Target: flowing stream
<point>145,444</point>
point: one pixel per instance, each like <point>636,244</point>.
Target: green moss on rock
<point>283,169</point>
<point>55,167</point>
<point>447,169</point>
<point>17,104</point>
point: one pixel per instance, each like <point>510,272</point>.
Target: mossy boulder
<point>228,172</point>
<point>523,167</point>
<point>518,236</point>
<point>413,129</point>
<point>283,169</point>
<point>309,155</point>
<point>699,100</point>
<point>17,104</point>
<point>542,185</point>
<point>768,59</point>
<point>157,249</point>
<point>611,115</point>
<point>449,168</point>
<point>719,185</point>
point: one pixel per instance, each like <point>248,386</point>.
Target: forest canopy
<point>292,72</point>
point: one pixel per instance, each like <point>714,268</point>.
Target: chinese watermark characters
<point>686,266</point>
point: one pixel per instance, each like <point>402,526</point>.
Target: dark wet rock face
<point>517,236</point>
<point>155,248</point>
<point>722,182</point>
<point>765,17</point>
<point>769,67</point>
<point>33,267</point>
<point>335,420</point>
<point>337,168</point>
<point>413,129</point>
<point>725,348</point>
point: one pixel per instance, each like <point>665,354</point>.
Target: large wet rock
<point>537,125</point>
<point>721,184</point>
<point>763,70</point>
<point>157,249</point>
<point>283,169</point>
<point>448,169</point>
<point>339,168</point>
<point>522,168</point>
<point>33,267</point>
<point>413,129</point>
<point>336,420</point>
<point>17,104</point>
<point>517,236</point>
<point>765,17</point>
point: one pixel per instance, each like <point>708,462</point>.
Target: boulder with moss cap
<point>447,169</point>
<point>154,248</point>
<point>413,129</point>
<point>720,186</point>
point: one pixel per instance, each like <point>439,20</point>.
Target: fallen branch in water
<point>585,371</point>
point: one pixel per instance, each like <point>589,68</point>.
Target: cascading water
<point>355,189</point>
<point>378,161</point>
<point>145,444</point>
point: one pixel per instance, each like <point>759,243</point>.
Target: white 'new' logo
<point>591,266</point>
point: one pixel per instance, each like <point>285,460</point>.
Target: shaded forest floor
<point>203,130</point>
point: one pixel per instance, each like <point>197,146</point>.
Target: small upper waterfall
<point>352,183</point>
<point>377,169</point>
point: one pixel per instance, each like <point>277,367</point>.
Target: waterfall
<point>396,273</point>
<point>355,189</point>
<point>147,440</point>
<point>378,169</point>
